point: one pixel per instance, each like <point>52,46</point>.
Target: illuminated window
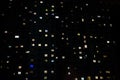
<point>78,34</point>
<point>33,44</point>
<point>41,2</point>
<point>83,19</point>
<point>80,57</point>
<point>46,45</point>
<point>19,72</point>
<point>45,77</point>
<point>52,71</point>
<point>17,36</point>
<point>56,17</point>
<point>40,30</point>
<point>94,61</point>
<point>19,67</point>
<point>63,57</point>
<point>108,42</point>
<point>39,45</point>
<point>76,78</point>
<point>85,46</point>
<point>69,73</point>
<point>82,78</point>
<point>6,32</point>
<point>27,52</point>
<point>45,71</point>
<point>96,77</point>
<point>45,55</point>
<point>40,17</point>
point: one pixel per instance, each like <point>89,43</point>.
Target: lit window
<point>80,57</point>
<point>63,57</point>
<point>39,45</point>
<point>33,44</point>
<point>26,7</point>
<point>108,72</point>
<point>93,20</point>
<point>85,46</point>
<point>41,2</point>
<point>46,30</point>
<point>27,52</point>
<point>78,34</point>
<point>6,32</point>
<point>83,19</point>
<point>101,77</point>
<point>89,78</point>
<point>46,35</point>
<point>80,52</point>
<point>40,30</point>
<point>34,13</point>
<point>68,67</point>
<point>76,78</point>
<point>52,50</point>
<point>108,42</point>
<point>52,71</point>
<point>46,45</point>
<point>98,16</point>
<point>21,46</point>
<point>56,57</point>
<point>111,25</point>
<point>62,38</point>
<point>40,17</point>
<point>17,36</point>
<point>19,72</point>
<point>52,35</point>
<point>69,73</point>
<point>52,61</point>
<point>52,55</point>
<point>45,71</point>
<point>45,77</point>
<point>82,78</point>
<point>96,77</point>
<point>7,61</point>
<point>56,17</point>
<point>45,55</point>
<point>79,47</point>
<point>53,6</point>
<point>86,4</point>
<point>19,67</point>
<point>94,61</point>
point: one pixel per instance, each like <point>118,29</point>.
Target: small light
<point>52,71</point>
<point>52,61</point>
<point>33,44</point>
<point>78,34</point>
<point>76,78</point>
<point>45,55</point>
<point>45,77</point>
<point>69,73</point>
<point>56,57</point>
<point>7,61</point>
<point>86,4</point>
<point>98,16</point>
<point>39,45</point>
<point>34,13</point>
<point>80,57</point>
<point>52,55</point>
<point>79,47</point>
<point>46,45</point>
<point>56,17</point>
<point>40,17</point>
<point>19,72</point>
<point>82,78</point>
<point>101,77</point>
<point>21,46</point>
<point>83,19</point>
<point>108,42</point>
<point>31,66</point>
<point>26,7</point>
<point>63,57</point>
<point>93,20</point>
<point>53,6</point>
<point>96,77</point>
<point>85,46</point>
<point>68,67</point>
<point>94,61</point>
<point>40,30</point>
<point>27,52</point>
<point>19,67</point>
<point>52,35</point>
<point>46,30</point>
<point>41,2</point>
<point>46,35</point>
<point>5,32</point>
<point>52,50</point>
<point>17,36</point>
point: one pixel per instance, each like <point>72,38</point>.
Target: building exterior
<point>57,40</point>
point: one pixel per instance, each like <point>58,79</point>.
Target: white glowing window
<point>52,50</point>
<point>41,2</point>
<point>52,55</point>
<point>40,30</point>
<point>46,35</point>
<point>86,4</point>
<point>21,46</point>
<point>46,30</point>
<point>26,7</point>
<point>76,78</point>
<point>34,13</point>
<point>63,57</point>
<point>46,45</point>
<point>17,36</point>
<point>52,61</point>
<point>6,32</point>
<point>27,52</point>
<point>93,20</point>
<point>98,16</point>
<point>82,78</point>
<point>68,67</point>
<point>53,6</point>
<point>40,17</point>
<point>33,39</point>
<point>69,73</point>
<point>80,57</point>
<point>45,71</point>
<point>108,42</point>
<point>101,77</point>
<point>26,78</point>
<point>52,71</point>
<point>96,77</point>
<point>80,52</point>
<point>99,61</point>
<point>111,25</point>
<point>78,34</point>
<point>52,35</point>
<point>79,47</point>
<point>83,19</point>
<point>19,67</point>
<point>85,46</point>
<point>33,44</point>
<point>39,45</point>
<point>94,61</point>
<point>45,55</point>
<point>56,17</point>
<point>19,73</point>
<point>56,57</point>
<point>7,61</point>
<point>45,77</point>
